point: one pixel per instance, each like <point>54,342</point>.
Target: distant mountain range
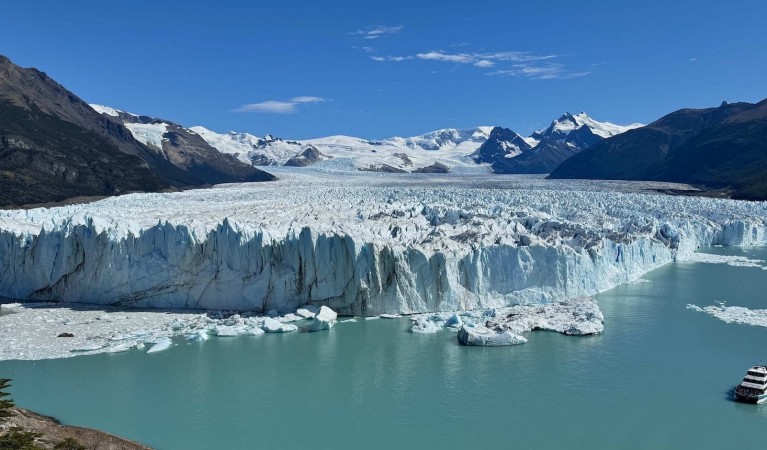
<point>437,151</point>
<point>720,148</point>
<point>544,150</point>
<point>54,146</point>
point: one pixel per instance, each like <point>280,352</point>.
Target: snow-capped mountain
<point>563,127</point>
<point>567,136</point>
<point>184,148</point>
<point>434,152</point>
<point>447,147</point>
<point>502,143</point>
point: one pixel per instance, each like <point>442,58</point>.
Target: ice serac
<point>356,248</point>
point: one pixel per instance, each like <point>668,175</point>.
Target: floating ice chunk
<point>160,345</point>
<point>352,320</point>
<point>372,318</point>
<point>254,331</point>
<point>390,316</point>
<point>307,312</point>
<point>122,347</point>
<point>275,326</point>
<point>734,314</point>
<point>199,335</point>
<point>227,330</point>
<point>323,320</point>
<point>730,260</point>
<point>10,305</point>
<point>485,337</point>
<point>424,325</point>
<point>454,321</point>
<point>85,347</point>
<point>290,317</point>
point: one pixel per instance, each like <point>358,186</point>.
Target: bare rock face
<point>434,168</point>
<point>310,155</point>
<point>53,433</point>
<point>54,146</point>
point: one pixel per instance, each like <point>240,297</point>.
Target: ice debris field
<point>363,244</point>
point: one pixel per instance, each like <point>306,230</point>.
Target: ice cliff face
<point>360,245</point>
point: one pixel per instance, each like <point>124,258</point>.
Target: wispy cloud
<point>484,63</point>
<point>518,64</point>
<point>279,106</point>
<point>376,31</point>
<point>539,72</point>
<point>390,58</point>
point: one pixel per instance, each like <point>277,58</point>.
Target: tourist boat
<point>753,388</point>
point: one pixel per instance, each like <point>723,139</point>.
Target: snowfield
<point>363,245</point>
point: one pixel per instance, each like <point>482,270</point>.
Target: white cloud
<point>279,106</point>
<point>390,58</point>
<point>461,58</point>
<point>377,31</point>
<point>538,72</point>
<point>307,99</point>
<point>484,63</point>
<point>518,64</point>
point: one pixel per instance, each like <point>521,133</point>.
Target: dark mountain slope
<point>722,148</point>
<point>54,146</point>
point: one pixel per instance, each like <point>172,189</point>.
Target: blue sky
<point>301,69</point>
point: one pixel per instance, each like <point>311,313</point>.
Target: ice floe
<point>485,337</point>
<point>577,317</point>
<point>730,260</point>
<point>734,314</point>
<point>60,330</point>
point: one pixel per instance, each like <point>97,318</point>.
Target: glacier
<point>362,245</point>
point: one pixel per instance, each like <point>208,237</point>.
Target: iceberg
<point>307,312</point>
<point>734,314</point>
<point>162,344</point>
<point>423,325</point>
<point>323,320</point>
<point>485,337</point>
<point>275,326</point>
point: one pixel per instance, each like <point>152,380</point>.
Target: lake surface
<point>658,378</point>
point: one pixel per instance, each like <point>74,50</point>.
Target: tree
<point>69,444</point>
<point>18,439</point>
<point>5,403</point>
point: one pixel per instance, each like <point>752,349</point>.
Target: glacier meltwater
<point>361,244</point>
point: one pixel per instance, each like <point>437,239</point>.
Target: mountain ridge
<point>720,148</point>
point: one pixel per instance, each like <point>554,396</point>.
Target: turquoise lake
<point>658,378</point>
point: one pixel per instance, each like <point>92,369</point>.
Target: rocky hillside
<point>54,146</point>
<point>719,148</point>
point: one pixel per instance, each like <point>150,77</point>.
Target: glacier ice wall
<point>359,249</point>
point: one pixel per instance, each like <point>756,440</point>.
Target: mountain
<point>501,143</point>
<point>721,148</point>
<point>54,146</point>
<point>432,152</point>
<point>567,136</point>
<point>309,156</point>
<point>185,149</point>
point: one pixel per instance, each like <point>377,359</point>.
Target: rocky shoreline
<point>53,432</point>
